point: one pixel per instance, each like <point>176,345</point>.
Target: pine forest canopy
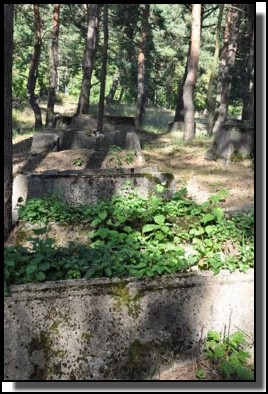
<point>168,33</point>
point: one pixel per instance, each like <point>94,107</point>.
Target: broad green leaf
<point>159,219</point>
<point>31,269</point>
<point>98,243</point>
<point>160,236</point>
<point>149,227</point>
<point>138,274</point>
<point>95,222</point>
<point>108,271</point>
<point>40,276</point>
<point>160,188</point>
<point>92,234</point>
<point>165,229</point>
<point>149,273</point>
<point>103,232</point>
<point>103,215</point>
<point>210,229</point>
<point>90,272</point>
<point>215,198</point>
<point>195,211</point>
<point>140,265</point>
<point>218,212</point>
<point>207,218</point>
<point>160,269</point>
<point>44,266</point>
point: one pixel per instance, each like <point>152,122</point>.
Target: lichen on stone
<point>124,299</point>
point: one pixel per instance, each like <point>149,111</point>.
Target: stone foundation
<point>119,329</point>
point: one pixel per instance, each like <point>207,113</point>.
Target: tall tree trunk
<point>247,93</point>
<point>110,98</point>
<point>213,74</point>
<point>104,68</point>
<point>251,108</point>
<point>189,125</point>
<point>8,48</point>
<point>227,60</point>
<point>53,66</point>
<point>179,112</point>
<point>34,69</point>
<point>89,57</point>
<point>141,97</point>
<point>121,95</point>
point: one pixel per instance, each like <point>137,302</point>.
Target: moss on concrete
<point>124,299</point>
<point>44,342</point>
<point>141,360</point>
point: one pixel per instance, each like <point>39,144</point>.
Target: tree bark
<point>104,68</point>
<point>250,109</point>
<point>141,97</point>
<point>8,48</point>
<point>34,69</point>
<point>53,66</point>
<point>247,101</point>
<point>213,74</point>
<point>189,125</point>
<point>121,96</point>
<point>227,60</point>
<point>89,57</point>
<point>179,112</point>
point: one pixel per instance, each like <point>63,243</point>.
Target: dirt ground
<point>201,177</point>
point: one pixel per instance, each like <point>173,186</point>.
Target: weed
<point>228,355</point>
<point>119,157</point>
<point>131,235</point>
<point>78,162</point>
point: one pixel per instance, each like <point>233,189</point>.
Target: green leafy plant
<point>78,162</point>
<point>228,356</point>
<point>132,235</point>
<point>119,157</point>
<point>200,374</point>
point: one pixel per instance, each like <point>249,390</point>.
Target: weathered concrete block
<point>84,122</point>
<point>19,194</point>
<point>119,329</point>
<point>235,137</point>
<point>132,142</point>
<point>45,141</point>
<point>74,139</point>
<point>62,121</point>
<point>90,186</point>
<point>120,120</point>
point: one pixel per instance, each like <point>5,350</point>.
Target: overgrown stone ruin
<point>90,186</point>
<point>107,162</point>
<point>236,136</point>
<point>79,132</point>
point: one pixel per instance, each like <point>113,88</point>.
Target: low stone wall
<point>58,140</point>
<point>119,330</point>
<point>89,186</point>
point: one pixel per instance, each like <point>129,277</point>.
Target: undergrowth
<point>227,357</point>
<point>131,235</point>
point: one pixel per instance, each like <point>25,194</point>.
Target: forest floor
<point>202,178</point>
<point>167,152</point>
